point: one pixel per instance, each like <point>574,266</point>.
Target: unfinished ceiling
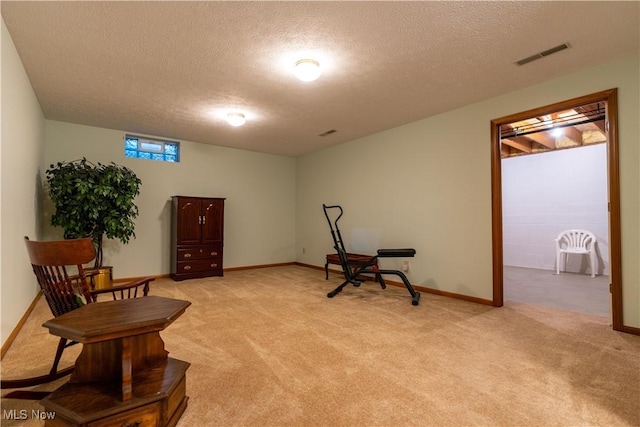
<point>171,69</point>
<point>571,128</point>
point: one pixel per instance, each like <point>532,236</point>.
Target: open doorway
<point>517,134</point>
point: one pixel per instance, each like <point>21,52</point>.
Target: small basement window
<point>141,147</point>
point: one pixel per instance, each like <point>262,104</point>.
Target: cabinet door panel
<point>213,213</point>
<point>189,221</point>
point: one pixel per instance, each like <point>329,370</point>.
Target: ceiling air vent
<point>329,132</point>
<point>542,54</point>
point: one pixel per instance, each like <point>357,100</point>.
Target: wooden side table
<point>123,376</point>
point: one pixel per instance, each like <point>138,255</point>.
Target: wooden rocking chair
<point>58,266</point>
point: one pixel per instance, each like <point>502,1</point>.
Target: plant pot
<point>101,278</point>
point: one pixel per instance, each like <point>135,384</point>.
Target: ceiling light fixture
<point>307,70</point>
<point>236,119</point>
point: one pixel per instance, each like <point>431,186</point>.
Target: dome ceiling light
<point>236,119</point>
<point>308,70</point>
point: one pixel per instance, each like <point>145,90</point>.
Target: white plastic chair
<point>581,242</point>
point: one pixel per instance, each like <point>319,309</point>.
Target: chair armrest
<point>126,287</point>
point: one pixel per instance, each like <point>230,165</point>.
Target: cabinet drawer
<point>146,416</point>
<point>199,252</point>
<point>199,265</point>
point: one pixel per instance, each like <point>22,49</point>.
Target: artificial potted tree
<point>94,200</point>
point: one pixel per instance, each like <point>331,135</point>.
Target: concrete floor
<point>568,291</point>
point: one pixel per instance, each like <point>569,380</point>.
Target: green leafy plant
<point>94,200</point>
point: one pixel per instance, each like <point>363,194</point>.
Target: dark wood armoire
<point>197,237</point>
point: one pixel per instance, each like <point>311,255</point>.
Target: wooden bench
<point>355,258</point>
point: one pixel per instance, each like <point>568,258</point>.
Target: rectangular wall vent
<point>542,54</point>
<point>329,132</point>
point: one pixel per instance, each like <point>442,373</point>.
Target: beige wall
<point>21,148</point>
<point>427,185</point>
<point>259,188</point>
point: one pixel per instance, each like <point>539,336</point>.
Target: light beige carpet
<point>268,348</point>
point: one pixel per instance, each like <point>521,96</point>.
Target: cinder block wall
<point>544,194</point>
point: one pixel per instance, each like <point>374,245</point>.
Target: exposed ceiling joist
<point>520,143</point>
<point>543,138</point>
<point>562,129</point>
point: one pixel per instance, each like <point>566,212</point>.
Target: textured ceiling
<point>172,69</point>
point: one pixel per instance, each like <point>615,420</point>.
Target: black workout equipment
<point>353,269</point>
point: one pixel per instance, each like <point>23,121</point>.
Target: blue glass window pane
<point>130,153</point>
<point>170,158</point>
<point>131,144</point>
<point>171,149</point>
<point>157,157</point>
<point>143,155</point>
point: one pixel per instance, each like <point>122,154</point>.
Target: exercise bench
<point>353,268</point>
